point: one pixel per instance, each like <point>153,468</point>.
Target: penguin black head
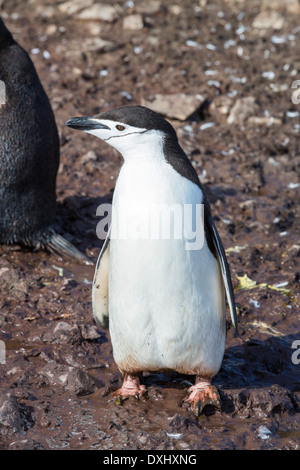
<point>6,38</point>
<point>126,127</point>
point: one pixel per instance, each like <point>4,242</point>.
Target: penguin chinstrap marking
<point>166,305</point>
<point>29,155</point>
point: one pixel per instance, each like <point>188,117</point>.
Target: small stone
<point>176,106</point>
<point>89,332</point>
<point>176,9</point>
<point>284,6</point>
<point>221,105</point>
<point>99,11</point>
<point>264,121</point>
<point>99,45</point>
<point>267,401</point>
<point>80,382</point>
<point>14,417</point>
<point>242,110</point>
<point>51,29</point>
<point>268,19</point>
<point>74,6</point>
<point>133,22</point>
<point>63,333</point>
<point>94,28</point>
<point>149,7</point>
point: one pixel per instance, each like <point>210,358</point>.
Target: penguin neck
<point>154,149</point>
<point>147,149</point>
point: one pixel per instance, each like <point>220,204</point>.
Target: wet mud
<point>56,384</point>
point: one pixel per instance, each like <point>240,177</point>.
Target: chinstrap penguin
<point>166,305</point>
<point>29,155</point>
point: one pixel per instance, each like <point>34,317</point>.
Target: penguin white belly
<point>166,303</point>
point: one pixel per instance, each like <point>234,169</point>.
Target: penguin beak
<point>85,124</point>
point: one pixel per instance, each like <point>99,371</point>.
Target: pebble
<point>74,6</point>
<point>264,432</point>
<point>13,415</point>
<point>99,11</point>
<point>205,126</point>
<point>264,121</point>
<point>149,7</point>
<point>278,39</point>
<point>133,22</point>
<point>175,106</point>
<point>285,6</point>
<point>267,20</point>
<point>242,110</point>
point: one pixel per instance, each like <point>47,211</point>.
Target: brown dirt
<point>59,368</point>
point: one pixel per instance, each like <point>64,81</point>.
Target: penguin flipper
<point>100,287</point>
<point>224,269</point>
<point>63,247</point>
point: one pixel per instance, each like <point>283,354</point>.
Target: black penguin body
<point>29,154</point>
<point>29,150</point>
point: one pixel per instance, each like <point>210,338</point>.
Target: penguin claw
<point>199,398</point>
<point>123,393</point>
<point>63,247</point>
<point>131,388</point>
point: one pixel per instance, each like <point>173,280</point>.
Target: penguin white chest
<point>166,302</point>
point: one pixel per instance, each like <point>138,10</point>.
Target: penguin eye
<point>120,128</point>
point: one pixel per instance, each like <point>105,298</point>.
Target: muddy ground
<point>55,386</point>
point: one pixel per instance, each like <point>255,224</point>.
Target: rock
<point>94,28</point>
<point>268,20</point>
<point>89,332</point>
<point>264,121</point>
<point>242,110</point>
<point>63,333</point>
<point>220,106</point>
<point>284,6</point>
<point>51,29</point>
<point>99,11</point>
<point>74,6</point>
<point>14,416</point>
<point>180,423</point>
<point>70,378</point>
<point>56,373</point>
<point>266,401</point>
<point>133,22</point>
<point>80,382</point>
<point>176,106</point>
<point>99,45</point>
<point>175,9</point>
<point>148,7</point>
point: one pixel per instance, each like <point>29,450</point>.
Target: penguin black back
<point>29,150</point>
<point>29,154</point>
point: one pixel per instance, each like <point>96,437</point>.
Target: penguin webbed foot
<point>202,394</point>
<point>131,387</point>
<point>58,244</point>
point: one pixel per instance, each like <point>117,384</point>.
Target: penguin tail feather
<point>59,245</point>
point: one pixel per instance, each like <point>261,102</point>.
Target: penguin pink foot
<point>131,387</point>
<point>202,394</point>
